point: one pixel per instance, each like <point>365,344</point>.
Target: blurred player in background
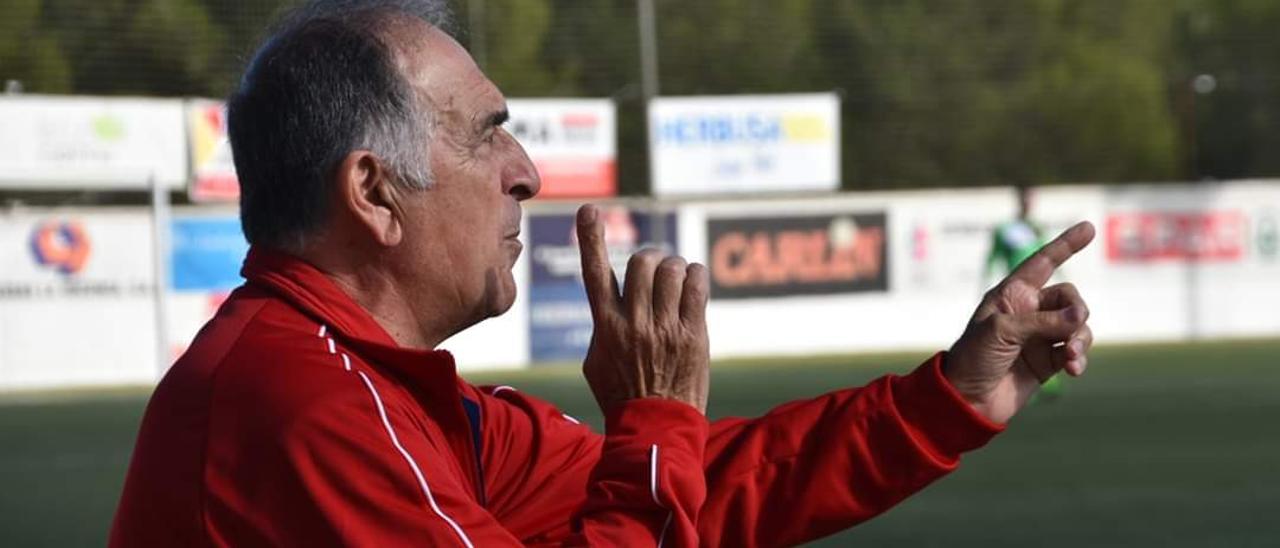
<point>1013,242</point>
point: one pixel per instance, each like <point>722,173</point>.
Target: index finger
<point>1037,269</point>
<point>597,273</point>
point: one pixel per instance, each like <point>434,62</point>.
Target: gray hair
<point>324,83</point>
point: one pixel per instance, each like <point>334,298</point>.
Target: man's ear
<point>366,189</point>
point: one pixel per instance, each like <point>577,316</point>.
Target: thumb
<point>1053,325</point>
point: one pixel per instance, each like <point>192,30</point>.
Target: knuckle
<point>695,291</point>
<point>698,272</point>
<point>699,281</point>
<point>645,258</point>
<point>674,262</point>
<point>671,267</point>
<point>651,254</point>
<point>636,259</point>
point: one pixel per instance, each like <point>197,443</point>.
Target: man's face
<point>460,234</point>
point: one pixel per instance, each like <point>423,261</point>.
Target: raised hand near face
<point>651,340</point>
<point>1023,333</point>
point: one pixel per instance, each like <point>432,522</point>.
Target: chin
<point>501,307</point>
<point>502,294</point>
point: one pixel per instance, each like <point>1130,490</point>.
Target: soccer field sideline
<point>874,361</point>
<point>1171,445</point>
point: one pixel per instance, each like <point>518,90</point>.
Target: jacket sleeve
<point>810,468</point>
<point>550,478</point>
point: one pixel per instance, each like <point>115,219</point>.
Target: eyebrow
<point>493,119</point>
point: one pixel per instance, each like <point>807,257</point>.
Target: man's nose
<point>520,177</point>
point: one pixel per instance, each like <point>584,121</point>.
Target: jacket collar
<point>431,374</point>
<point>312,292</point>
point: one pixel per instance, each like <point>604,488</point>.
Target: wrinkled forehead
<point>442,73</point>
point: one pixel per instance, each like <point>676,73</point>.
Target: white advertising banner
<point>846,273</point>
<point>572,142</point>
<point>76,304</point>
<point>744,143</point>
<point>77,297</point>
<point>1188,261</point>
<point>1170,263</point>
<point>213,171</point>
<point>91,143</point>
<point>820,276</point>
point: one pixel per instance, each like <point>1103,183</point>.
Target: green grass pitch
<point>1168,445</point>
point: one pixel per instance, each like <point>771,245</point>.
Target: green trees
<point>134,47</point>
<point>945,93</point>
<point>27,53</point>
<point>1232,130</point>
<point>936,92</point>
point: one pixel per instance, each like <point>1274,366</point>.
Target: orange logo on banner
<point>61,245</point>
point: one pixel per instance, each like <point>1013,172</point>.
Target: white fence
<point>842,273</point>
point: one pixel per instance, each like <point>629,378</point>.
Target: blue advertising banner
<point>559,315</point>
<point>207,253</point>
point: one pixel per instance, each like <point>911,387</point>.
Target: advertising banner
<point>945,240</point>
<point>747,143</point>
<point>1151,236</point>
<point>213,171</point>
<point>798,255</point>
<point>76,299</point>
<point>559,315</point>
<point>571,141</point>
<point>207,253</point>
<point>91,143</point>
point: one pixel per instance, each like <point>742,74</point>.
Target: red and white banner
<point>571,141</point>
<point>1200,236</point>
<point>213,173</point>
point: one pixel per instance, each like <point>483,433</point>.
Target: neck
<point>376,290</point>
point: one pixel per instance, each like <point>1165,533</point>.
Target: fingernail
<point>588,215</point>
<point>1072,368</point>
<point>1073,314</point>
<point>1077,346</point>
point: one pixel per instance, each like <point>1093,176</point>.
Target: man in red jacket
<point>381,195</point>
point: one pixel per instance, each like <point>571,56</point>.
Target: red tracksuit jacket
<point>295,420</point>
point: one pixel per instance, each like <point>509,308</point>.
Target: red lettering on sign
<point>765,258</point>
<point>1175,236</point>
